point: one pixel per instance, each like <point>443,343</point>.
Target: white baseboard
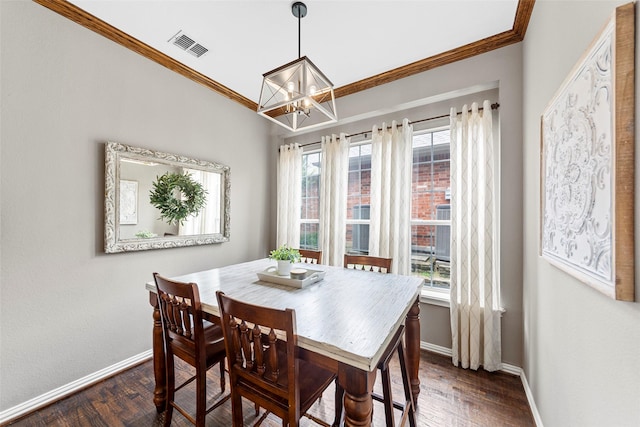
<point>435,348</point>
<point>532,403</point>
<point>510,369</point>
<point>38,402</point>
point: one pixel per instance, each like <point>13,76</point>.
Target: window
<point>430,210</point>
<point>310,211</point>
<point>358,199</point>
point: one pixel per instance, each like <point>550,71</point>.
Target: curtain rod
<point>494,106</point>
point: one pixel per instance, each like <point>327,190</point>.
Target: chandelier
<point>297,95</point>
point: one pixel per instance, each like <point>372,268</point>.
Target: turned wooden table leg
<point>159,367</point>
<point>358,404</point>
<point>412,335</point>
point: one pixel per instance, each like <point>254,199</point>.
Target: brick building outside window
<point>430,225</point>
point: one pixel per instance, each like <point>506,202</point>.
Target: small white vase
<point>284,267</point>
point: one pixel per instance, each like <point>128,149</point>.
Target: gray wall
<point>582,349</point>
<point>438,90</point>
<point>67,308</point>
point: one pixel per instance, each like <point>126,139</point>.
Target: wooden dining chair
<point>368,263</point>
<point>383,265</point>
<point>407,408</point>
<point>310,256</point>
<point>262,351</point>
<point>188,336</point>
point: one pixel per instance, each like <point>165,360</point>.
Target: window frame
<point>428,293</point>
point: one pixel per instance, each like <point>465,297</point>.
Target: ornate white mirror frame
<point>132,223</point>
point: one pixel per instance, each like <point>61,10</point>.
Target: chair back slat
<point>246,349</point>
<point>309,256</point>
<point>368,263</point>
<point>259,351</point>
<point>273,356</point>
<point>186,319</point>
<point>235,339</point>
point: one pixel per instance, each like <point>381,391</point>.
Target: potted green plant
<point>285,256</point>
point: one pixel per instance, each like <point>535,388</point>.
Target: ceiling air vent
<point>185,42</point>
<point>198,50</point>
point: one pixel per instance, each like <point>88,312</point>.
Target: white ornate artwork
<point>587,164</point>
<point>128,202</point>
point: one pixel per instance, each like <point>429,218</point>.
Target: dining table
<point>345,319</point>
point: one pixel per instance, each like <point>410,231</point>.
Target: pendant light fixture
<point>297,95</point>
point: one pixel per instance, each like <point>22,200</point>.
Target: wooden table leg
<point>412,335</point>
<point>159,366</point>
<point>358,404</point>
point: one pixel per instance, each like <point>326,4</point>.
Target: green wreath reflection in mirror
<point>176,206</point>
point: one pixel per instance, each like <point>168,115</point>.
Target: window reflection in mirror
<point>208,220</point>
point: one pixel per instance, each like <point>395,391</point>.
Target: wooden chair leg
<point>408,394</point>
<point>236,409</point>
<point>222,380</point>
<point>388,398</point>
<point>201,395</point>
<point>171,385</point>
<point>339,399</point>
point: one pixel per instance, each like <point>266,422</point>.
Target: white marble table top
<point>348,316</point>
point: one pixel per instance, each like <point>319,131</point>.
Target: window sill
<point>429,296</point>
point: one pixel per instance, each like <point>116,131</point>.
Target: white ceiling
<point>348,40</point>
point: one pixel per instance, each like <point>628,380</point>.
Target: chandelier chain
<point>299,27</point>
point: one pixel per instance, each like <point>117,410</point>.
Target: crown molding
<point>515,35</point>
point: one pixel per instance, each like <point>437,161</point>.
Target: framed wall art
<point>128,202</point>
<point>587,164</point>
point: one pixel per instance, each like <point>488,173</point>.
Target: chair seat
<point>213,341</point>
<point>312,380</point>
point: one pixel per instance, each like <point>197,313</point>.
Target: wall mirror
<point>156,200</point>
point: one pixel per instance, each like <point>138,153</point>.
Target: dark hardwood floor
<point>449,397</point>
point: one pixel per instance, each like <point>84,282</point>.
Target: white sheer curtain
<point>475,312</point>
<point>390,213</point>
<point>334,177</point>
<point>208,220</point>
<point>289,195</point>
